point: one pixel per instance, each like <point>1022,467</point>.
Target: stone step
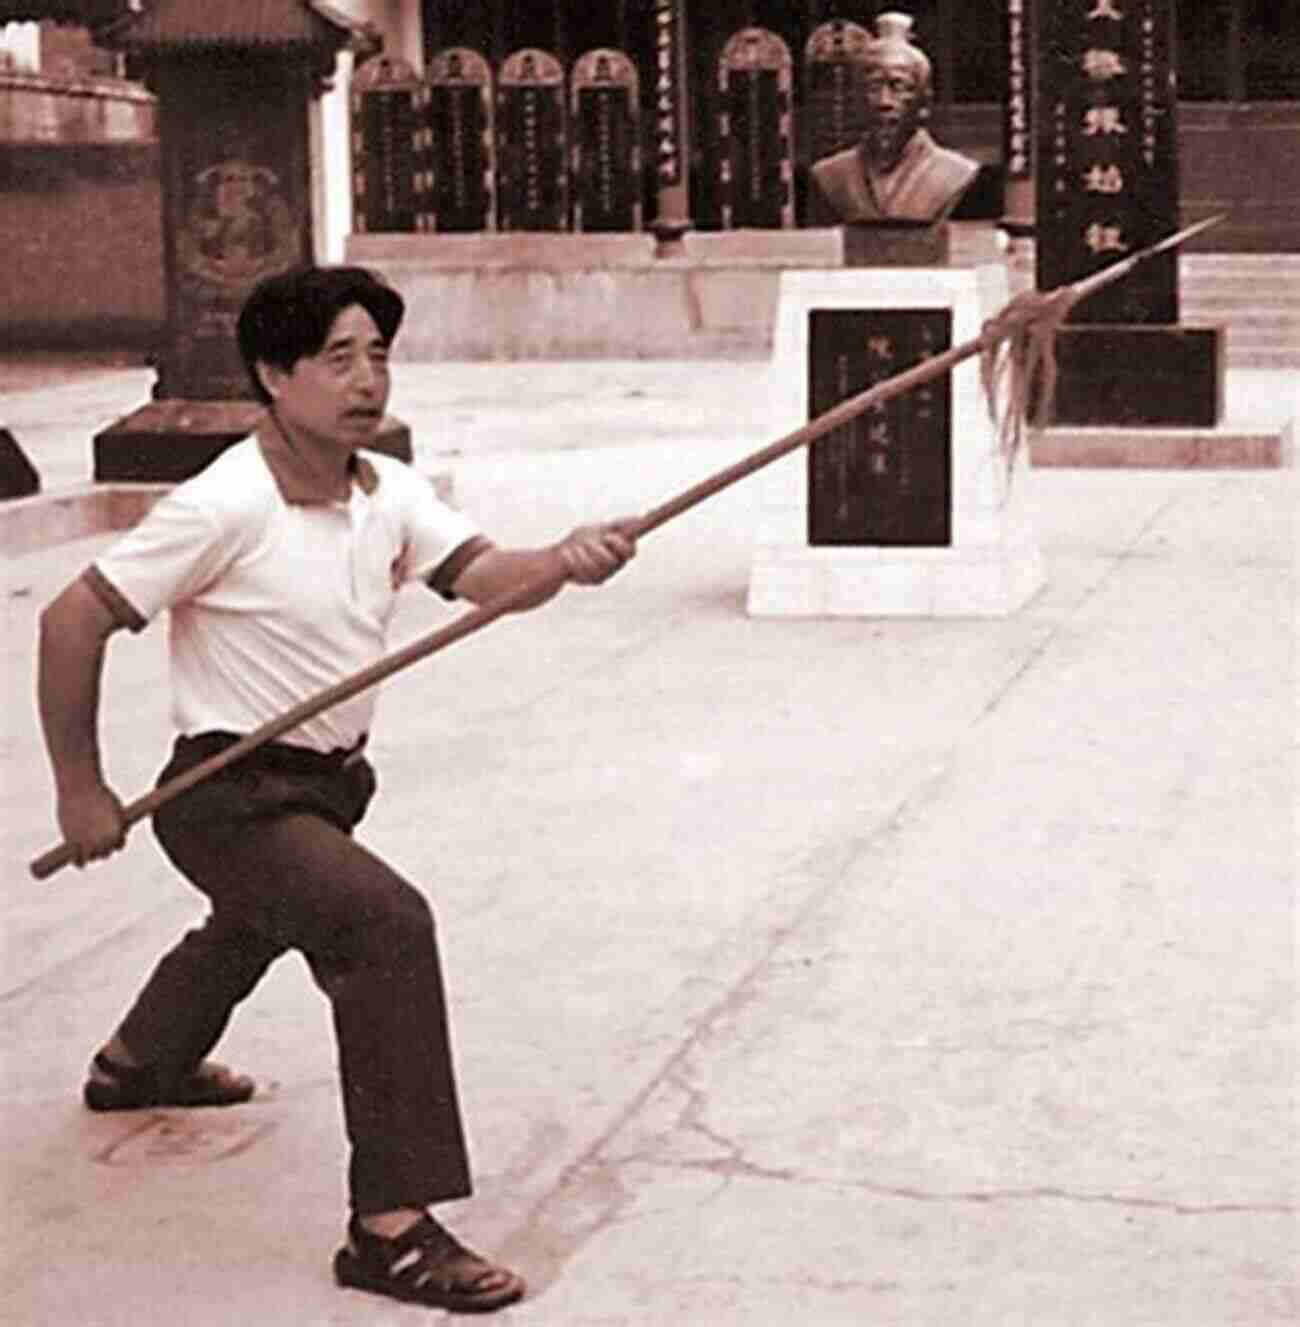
<point>1271,308</point>
<point>1251,325</point>
<point>1266,359</point>
<point>1224,448</point>
<point>1225,262</point>
<point>1252,296</point>
<point>1256,296</point>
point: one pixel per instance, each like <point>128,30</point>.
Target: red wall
<point>81,233</point>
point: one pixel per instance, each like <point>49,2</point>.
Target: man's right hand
<point>92,821</point>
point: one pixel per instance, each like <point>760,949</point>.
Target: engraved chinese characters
<point>1018,117</point>
<point>532,143</point>
<point>1107,171</point>
<point>883,479</point>
<point>668,128</point>
<point>835,87</point>
<point>460,141</point>
<point>605,116</point>
<point>754,133</point>
<point>387,136</point>
<point>529,149</point>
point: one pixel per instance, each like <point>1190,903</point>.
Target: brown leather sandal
<point>425,1265</point>
<point>131,1088</point>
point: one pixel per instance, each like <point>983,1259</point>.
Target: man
<point>279,565</point>
<point>896,171</point>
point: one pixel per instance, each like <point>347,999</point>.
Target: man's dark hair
<point>289,316</point>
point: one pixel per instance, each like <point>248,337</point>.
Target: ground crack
<point>735,1166</point>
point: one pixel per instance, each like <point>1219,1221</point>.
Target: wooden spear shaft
<point>54,859</point>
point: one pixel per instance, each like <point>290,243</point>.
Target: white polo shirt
<point>275,591</point>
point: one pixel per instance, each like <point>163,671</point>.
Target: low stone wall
<point>36,109</point>
<point>521,296</point>
<point>80,222</point>
<point>1241,161</point>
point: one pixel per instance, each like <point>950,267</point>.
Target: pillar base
<point>169,441</point>
<point>1152,374</point>
<point>669,233</point>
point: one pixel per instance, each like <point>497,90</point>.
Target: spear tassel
<point>1018,340</point>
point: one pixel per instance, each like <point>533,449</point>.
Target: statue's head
<point>898,89</point>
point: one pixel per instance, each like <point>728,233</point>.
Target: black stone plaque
<point>1107,159</point>
<point>532,143</point>
<point>883,479</point>
<point>459,117</point>
<point>835,92</point>
<point>385,130</point>
<point>754,134</point>
<point>605,116</point>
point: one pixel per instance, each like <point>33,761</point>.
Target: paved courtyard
<point>919,973</point>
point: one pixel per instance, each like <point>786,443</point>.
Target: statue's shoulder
<point>953,165</point>
<point>839,165</point>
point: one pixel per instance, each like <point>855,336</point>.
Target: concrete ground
<point>830,972</point>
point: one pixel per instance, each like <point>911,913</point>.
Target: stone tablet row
<point>460,151</point>
<point>527,149</point>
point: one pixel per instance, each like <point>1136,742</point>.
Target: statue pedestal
<point>907,511</point>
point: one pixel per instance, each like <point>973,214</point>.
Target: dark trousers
<point>269,841</point>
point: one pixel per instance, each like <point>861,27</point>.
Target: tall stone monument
<point>671,128</point>
<point>389,158</point>
<point>461,136</point>
<point>233,86</point>
<point>533,143</point>
<point>605,113</point>
<point>835,94</point>
<point>1107,186</point>
<point>1018,115</point>
<point>910,509</point>
<point>755,138</point>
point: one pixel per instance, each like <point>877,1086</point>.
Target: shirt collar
<point>299,481</point>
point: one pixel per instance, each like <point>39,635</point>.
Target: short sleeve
<point>437,537</point>
<point>173,554</point>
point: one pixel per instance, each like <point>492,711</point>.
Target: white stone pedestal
<point>993,564</point>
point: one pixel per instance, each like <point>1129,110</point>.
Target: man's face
<point>895,102</point>
<point>336,397</point>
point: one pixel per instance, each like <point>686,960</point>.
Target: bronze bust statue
<point>896,171</point>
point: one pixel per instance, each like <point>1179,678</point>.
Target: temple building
<point>700,77</point>
<point>628,177</point>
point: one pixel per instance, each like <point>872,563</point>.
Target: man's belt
<point>276,757</point>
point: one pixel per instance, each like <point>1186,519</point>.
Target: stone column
<point>331,163</point>
<point>672,127</point>
<point>1019,145</point>
<point>1019,150</point>
<point>237,207</point>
